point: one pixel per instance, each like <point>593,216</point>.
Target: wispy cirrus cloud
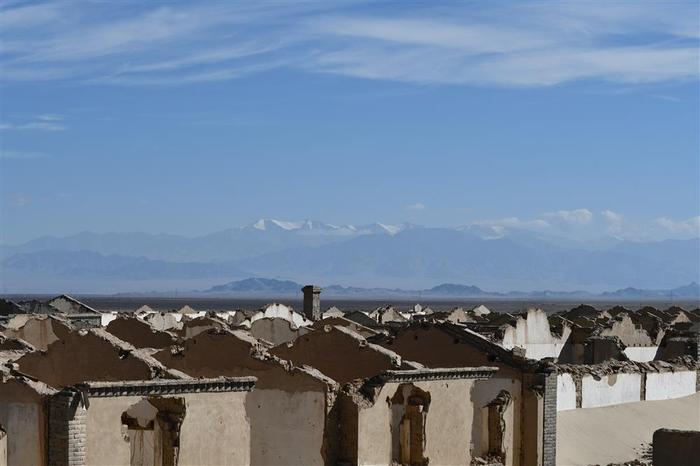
<point>501,44</point>
<point>416,207</point>
<point>21,155</point>
<point>44,122</point>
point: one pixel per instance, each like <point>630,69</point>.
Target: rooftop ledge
<point>449,373</point>
<point>165,386</point>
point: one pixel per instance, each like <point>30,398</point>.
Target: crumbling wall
<point>37,330</point>
<point>483,393</point>
<point>339,353</point>
<point>533,333</point>
<point>287,409</point>
<point>139,333</point>
<point>276,331</point>
<point>667,385</point>
<point>448,426</point>
<point>610,389</point>
<point>85,356</point>
<point>641,353</point>
<point>215,430</point>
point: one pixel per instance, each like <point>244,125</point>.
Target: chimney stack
<point>312,302</point>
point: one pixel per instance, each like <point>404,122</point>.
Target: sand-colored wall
<point>23,416</point>
<point>38,331</point>
<point>483,393</point>
<point>667,385</point>
<point>629,333</point>
<point>77,358</point>
<point>339,355</point>
<point>3,449</point>
<point>139,333</point>
<point>276,330</point>
<point>215,430</point>
<point>610,390</point>
<point>434,348</point>
<point>448,428</point>
<point>286,428</point>
<point>26,434</point>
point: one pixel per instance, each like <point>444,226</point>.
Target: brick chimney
<point>312,302</point>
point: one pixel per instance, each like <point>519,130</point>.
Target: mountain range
<point>370,256</point>
<point>271,287</point>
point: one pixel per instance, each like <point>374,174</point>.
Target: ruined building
<point>385,386</point>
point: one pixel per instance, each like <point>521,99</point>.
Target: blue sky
<point>570,118</point>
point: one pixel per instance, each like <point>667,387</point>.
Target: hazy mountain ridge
<point>252,286</point>
<point>403,257</point>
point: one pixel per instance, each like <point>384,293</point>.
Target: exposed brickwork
<point>643,386</point>
<point>549,449</point>
<point>67,430</point>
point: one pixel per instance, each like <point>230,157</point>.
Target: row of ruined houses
<point>276,387</point>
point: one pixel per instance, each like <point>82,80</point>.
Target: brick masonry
<point>67,430</point>
<point>549,449</point>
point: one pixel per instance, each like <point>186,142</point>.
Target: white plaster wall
<point>533,334</point>
<point>566,392</point>
<point>667,385</point>
<point>282,312</point>
<point>641,353</point>
<point>107,317</point>
<point>610,390</point>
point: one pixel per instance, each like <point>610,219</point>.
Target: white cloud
<point>519,44</point>
<point>688,227</point>
<point>572,217</point>
<point>416,206</point>
<point>44,122</point>
<point>21,155</point>
<point>614,222</point>
<point>514,222</point>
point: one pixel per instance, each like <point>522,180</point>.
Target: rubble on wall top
<point>615,366</point>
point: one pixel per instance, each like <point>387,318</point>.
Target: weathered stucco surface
<point>83,356</point>
<point>448,426</point>
<point>286,428</point>
<point>287,409</point>
<point>482,394</point>
<point>25,425</point>
<point>339,353</point>
<point>214,431</point>
<point>39,331</point>
<point>611,389</point>
<point>667,385</point>
<point>276,331</point>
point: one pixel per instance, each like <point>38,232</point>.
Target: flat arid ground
<point>615,434</point>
